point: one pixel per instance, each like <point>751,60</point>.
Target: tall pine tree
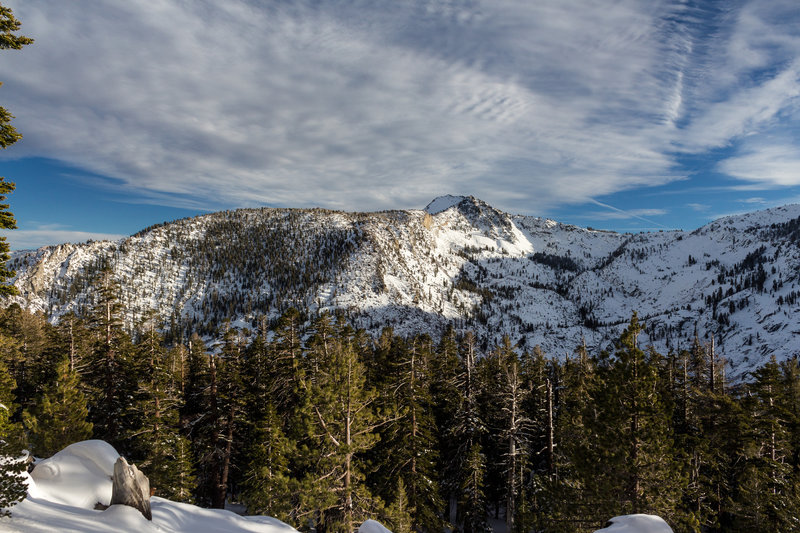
<point>344,428</point>
<point>632,466</point>
<point>12,481</point>
<point>59,418</point>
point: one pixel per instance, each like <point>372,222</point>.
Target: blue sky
<point>625,115</point>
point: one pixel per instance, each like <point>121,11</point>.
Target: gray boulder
<point>131,488</point>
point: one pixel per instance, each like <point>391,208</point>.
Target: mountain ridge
<point>459,262</point>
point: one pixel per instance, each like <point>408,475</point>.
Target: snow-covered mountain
<point>459,262</point>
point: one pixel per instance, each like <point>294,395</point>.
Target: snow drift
<point>636,523</point>
<point>64,490</point>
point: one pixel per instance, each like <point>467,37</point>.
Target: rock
<point>131,488</point>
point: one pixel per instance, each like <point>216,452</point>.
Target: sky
<point>629,115</point>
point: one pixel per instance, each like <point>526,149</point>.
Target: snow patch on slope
<point>443,203</point>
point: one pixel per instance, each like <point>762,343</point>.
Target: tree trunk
<point>551,463</point>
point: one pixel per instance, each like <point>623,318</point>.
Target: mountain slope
<point>458,262</point>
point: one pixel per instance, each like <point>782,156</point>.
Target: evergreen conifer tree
<point>221,420</point>
<point>30,360</point>
<point>8,136</point>
<point>511,397</point>
<point>408,448</point>
<point>399,514</point>
<point>344,428</point>
<point>112,376</point>
<point>166,455</point>
<point>446,401</point>
<point>767,496</point>
<point>59,418</point>
<point>12,481</point>
<point>467,429</point>
<point>632,466</point>
<point>268,485</point>
<point>472,501</point>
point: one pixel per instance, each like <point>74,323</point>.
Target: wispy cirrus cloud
<point>626,214</point>
<point>357,106</point>
<point>768,164</point>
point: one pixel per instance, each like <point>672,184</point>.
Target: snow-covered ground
<point>636,523</point>
<point>64,489</point>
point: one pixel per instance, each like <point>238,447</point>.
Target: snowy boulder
<point>372,526</point>
<point>79,475</point>
<point>636,523</point>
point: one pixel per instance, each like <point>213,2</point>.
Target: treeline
<point>324,426</point>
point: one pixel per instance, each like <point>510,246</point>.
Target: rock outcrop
<point>131,487</point>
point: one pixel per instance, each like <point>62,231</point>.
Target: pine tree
<point>166,457</point>
<point>71,337</point>
<point>446,401</point>
<point>200,413</point>
<point>12,482</point>
<point>767,495</point>
<point>494,445</point>
<point>472,502</point>
<point>288,371</point>
<point>12,488</point>
<point>344,428</point>
<point>632,467</point>
<point>408,446</point>
<point>511,397</point>
<point>31,358</point>
<point>112,377</point>
<point>469,463</point>
<point>220,420</point>
<point>59,418</point>
<point>399,514</point>
<point>182,484</point>
<point>547,497</point>
<point>700,405</point>
<point>268,487</point>
<point>196,384</point>
<point>8,136</point>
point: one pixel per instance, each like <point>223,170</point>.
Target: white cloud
<point>770,165</point>
<point>27,239</point>
<point>750,111</point>
<point>626,214</point>
<point>352,106</point>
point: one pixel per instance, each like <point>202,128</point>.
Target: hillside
<point>459,262</point>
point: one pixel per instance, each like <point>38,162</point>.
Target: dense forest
<point>323,426</point>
